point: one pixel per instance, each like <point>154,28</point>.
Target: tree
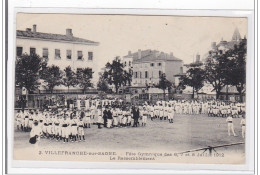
<point>52,76</point>
<point>194,77</point>
<point>164,84</point>
<point>127,77</point>
<point>102,84</point>
<point>114,73</point>
<point>236,73</point>
<point>27,71</point>
<point>70,78</point>
<point>216,71</point>
<point>84,77</point>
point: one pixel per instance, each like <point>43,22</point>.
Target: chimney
<point>34,28</point>
<point>69,32</point>
<point>197,58</point>
<point>139,53</point>
<point>28,29</point>
<point>129,52</point>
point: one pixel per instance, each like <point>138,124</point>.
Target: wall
<point>153,72</point>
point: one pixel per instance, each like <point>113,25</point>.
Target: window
<point>125,63</point>
<point>90,56</point>
<point>159,64</point>
<point>32,51</point>
<point>57,53</point>
<point>45,52</point>
<point>152,64</point>
<point>130,63</point>
<point>146,74</point>
<point>68,54</point>
<point>19,51</point>
<point>80,55</point>
<point>160,73</point>
<point>140,74</point>
<point>135,74</point>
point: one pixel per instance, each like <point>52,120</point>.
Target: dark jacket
<point>136,113</point>
<point>105,114</point>
<point>109,115</point>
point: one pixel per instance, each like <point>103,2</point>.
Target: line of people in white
<point>67,124</point>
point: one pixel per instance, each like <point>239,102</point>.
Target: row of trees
<point>220,70</point>
<point>30,69</point>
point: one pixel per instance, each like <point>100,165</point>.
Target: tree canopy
<point>52,76</point>
<point>115,74</point>
<point>70,78</point>
<point>27,71</point>
<point>194,78</point>
<point>84,77</point>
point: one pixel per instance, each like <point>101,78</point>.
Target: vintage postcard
<point>130,88</point>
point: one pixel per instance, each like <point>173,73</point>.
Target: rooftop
<point>68,37</point>
<point>151,55</point>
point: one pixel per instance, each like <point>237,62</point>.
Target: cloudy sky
<point>118,34</point>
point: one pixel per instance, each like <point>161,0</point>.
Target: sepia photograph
<point>130,88</point>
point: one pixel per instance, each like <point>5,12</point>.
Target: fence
<point>211,148</point>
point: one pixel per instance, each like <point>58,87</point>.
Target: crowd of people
<point>68,123</point>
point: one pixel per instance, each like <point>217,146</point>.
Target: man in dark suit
<point>105,112</point>
<point>136,115</point>
<point>110,118</point>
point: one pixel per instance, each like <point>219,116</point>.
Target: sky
<point>118,34</point>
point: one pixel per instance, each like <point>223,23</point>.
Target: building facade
<point>148,65</point>
<point>60,50</point>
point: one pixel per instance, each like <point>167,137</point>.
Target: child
<point>99,117</point>
<point>88,120</point>
<point>129,117</point>
<point>50,127</point>
<point>74,127</point>
<point>124,118</point>
<point>26,121</point>
<point>81,130</point>
<point>57,127</point>
<point>64,129</point>
<point>18,119</point>
<point>144,117</point>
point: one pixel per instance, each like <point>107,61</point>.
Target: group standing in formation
<point>67,124</point>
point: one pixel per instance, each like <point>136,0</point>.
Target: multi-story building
<point>61,50</point>
<point>223,45</point>
<point>148,65</point>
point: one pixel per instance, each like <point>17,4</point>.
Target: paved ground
<point>186,133</point>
